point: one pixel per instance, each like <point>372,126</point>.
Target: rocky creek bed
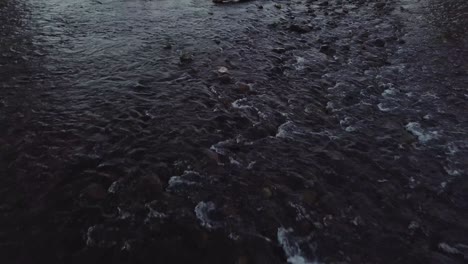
<point>253,132</point>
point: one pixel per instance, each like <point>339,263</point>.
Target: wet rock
<point>278,6</point>
<point>186,57</point>
<point>225,78</point>
<point>379,43</point>
<point>324,3</point>
<point>346,47</point>
<point>94,191</point>
<point>100,236</point>
<point>304,228</point>
<point>279,50</point>
<point>242,260</point>
<point>317,225</point>
<point>150,185</point>
<point>212,156</point>
<point>266,193</point>
<point>380,5</point>
<point>326,49</point>
<point>330,203</point>
<point>300,28</point>
<point>244,87</point>
<point>309,197</point>
<point>168,46</point>
<point>391,125</point>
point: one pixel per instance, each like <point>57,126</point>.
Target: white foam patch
<point>283,130</point>
<point>288,130</point>
<point>234,237</point>
<point>331,106</point>
<point>202,211</point>
<point>239,104</point>
<point>301,212</point>
<point>178,180</point>
<point>452,148</point>
<point>182,179</point>
<point>299,65</point>
<point>389,92</point>
<point>113,188</point>
<point>234,162</point>
<point>443,185</point>
<point>123,214</point>
<point>154,213</point>
<point>422,135</point>
<point>291,247</point>
<point>448,249</point>
<point>220,146</point>
<point>126,246</point>
<point>346,124</point>
<point>385,108</point>
<point>89,238</point>
<point>453,172</point>
<point>251,165</point>
<point>262,114</point>
<point>339,86</point>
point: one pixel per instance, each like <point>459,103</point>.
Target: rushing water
<point>170,131</point>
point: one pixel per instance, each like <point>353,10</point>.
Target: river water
<point>138,131</point>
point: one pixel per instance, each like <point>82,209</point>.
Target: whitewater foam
<point>202,211</point>
<point>422,135</point>
<point>291,247</point>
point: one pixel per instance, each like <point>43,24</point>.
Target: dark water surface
<point>162,131</point>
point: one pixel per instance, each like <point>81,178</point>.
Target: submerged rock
<point>243,87</point>
<point>186,57</point>
<point>379,43</point>
<point>300,28</point>
<point>150,185</point>
<point>380,5</point>
<point>326,49</point>
<point>94,191</point>
<point>266,193</point>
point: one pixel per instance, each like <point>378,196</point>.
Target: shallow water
<point>335,129</point>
